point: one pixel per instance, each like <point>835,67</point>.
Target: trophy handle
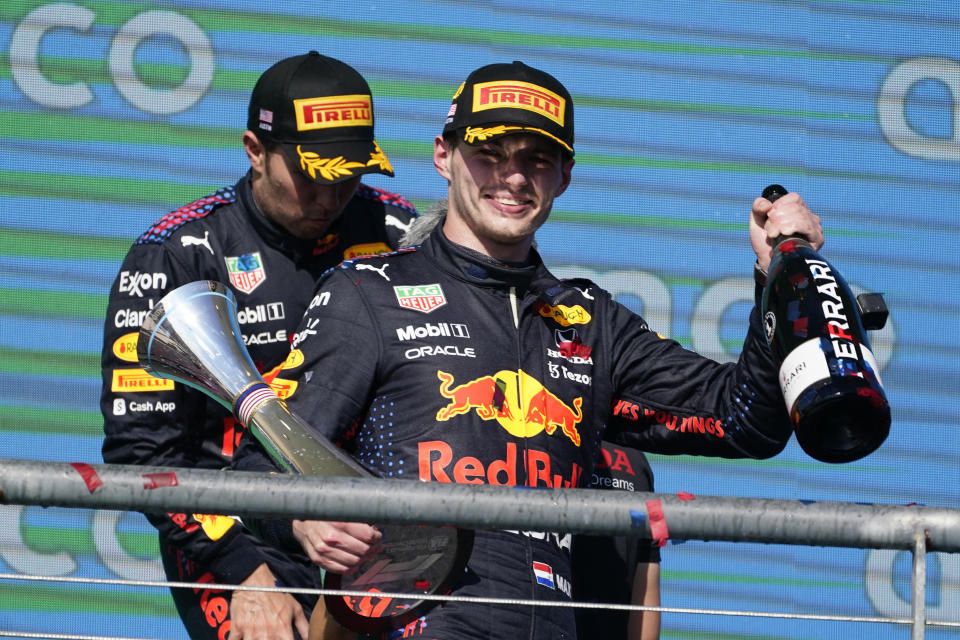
<point>192,337</point>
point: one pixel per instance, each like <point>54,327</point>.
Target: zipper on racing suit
<point>526,542</point>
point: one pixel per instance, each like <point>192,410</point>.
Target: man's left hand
<point>788,216</point>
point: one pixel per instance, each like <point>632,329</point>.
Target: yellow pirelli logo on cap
<point>333,111</point>
<point>138,380</point>
<point>518,95</point>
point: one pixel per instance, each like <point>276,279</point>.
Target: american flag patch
<point>266,115</point>
<point>544,574</point>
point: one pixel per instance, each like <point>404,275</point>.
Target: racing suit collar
<point>272,233</point>
<point>477,268</point>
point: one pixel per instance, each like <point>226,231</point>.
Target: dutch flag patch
<point>544,574</point>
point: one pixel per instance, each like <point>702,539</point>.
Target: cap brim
<point>333,162</point>
<point>481,134</point>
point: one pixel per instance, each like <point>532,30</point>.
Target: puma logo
<point>382,270</point>
<point>190,241</point>
<point>393,221</point>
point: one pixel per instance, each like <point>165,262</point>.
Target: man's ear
<point>566,170</point>
<point>442,153</point>
<point>256,152</point>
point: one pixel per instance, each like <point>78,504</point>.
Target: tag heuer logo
<point>246,272</point>
<point>421,297</point>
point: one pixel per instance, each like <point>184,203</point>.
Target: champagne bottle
<point>828,374</point>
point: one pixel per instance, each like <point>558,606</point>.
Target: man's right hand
<point>338,547</point>
<point>265,615</point>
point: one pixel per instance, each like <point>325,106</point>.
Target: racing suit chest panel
<point>467,395</point>
<point>272,276</point>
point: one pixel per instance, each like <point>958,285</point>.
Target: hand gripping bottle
<point>828,374</point>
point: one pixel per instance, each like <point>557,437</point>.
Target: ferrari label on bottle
<point>804,366</point>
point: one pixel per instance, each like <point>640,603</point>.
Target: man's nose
<point>327,196</point>
<point>513,171</point>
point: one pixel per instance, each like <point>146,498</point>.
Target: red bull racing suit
<point>604,566</point>
<point>223,237</point>
<point>438,364</point>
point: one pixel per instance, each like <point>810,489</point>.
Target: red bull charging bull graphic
<point>516,400</point>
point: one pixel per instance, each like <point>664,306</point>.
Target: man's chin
<point>313,230</point>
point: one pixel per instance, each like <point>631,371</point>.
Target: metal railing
<point>917,529</point>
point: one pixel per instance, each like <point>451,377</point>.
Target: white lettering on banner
<point>880,578</point>
<point>22,558</point>
<point>892,107</point>
<point>114,556</point>
<point>27,38</point>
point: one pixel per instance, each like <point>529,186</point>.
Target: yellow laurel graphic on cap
<point>481,134</point>
<point>379,158</point>
<point>328,168</point>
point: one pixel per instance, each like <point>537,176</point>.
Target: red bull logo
<point>326,243</point>
<point>516,400</point>
<point>438,462</point>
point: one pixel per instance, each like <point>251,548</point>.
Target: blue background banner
<point>113,113</point>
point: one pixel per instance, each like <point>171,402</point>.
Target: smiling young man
<point>299,211</point>
<point>465,360</point>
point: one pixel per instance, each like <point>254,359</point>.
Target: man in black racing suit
<point>619,570</point>
<point>268,237</point>
<point>465,360</point>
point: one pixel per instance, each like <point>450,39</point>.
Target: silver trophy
<point>192,337</point>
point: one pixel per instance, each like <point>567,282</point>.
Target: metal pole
<point>136,488</point>
<point>918,596</point>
